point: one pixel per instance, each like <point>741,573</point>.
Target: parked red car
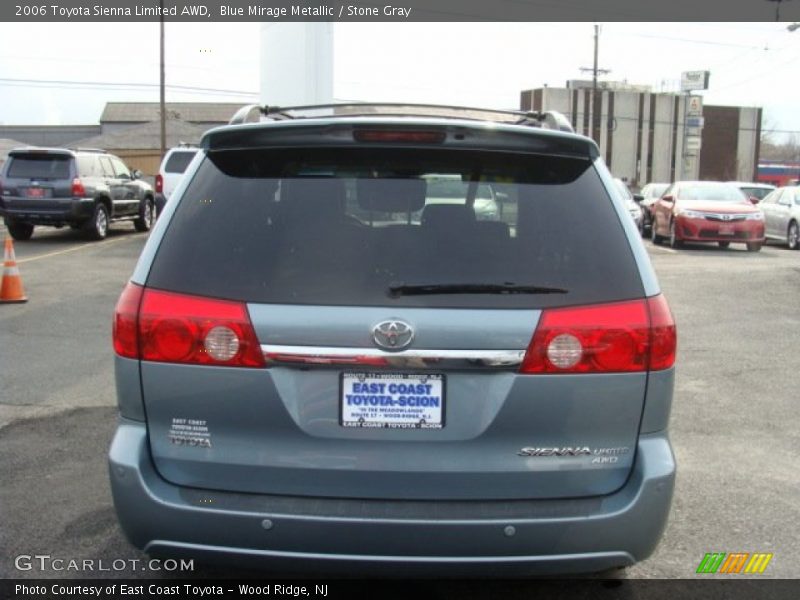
<point>707,211</point>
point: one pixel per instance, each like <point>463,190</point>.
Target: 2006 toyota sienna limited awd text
<point>306,373</point>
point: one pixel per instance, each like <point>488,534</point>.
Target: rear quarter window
<point>178,161</point>
<point>344,226</point>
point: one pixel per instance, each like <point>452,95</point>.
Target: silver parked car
<point>781,211</point>
<point>634,210</point>
<point>305,374</point>
<point>756,192</point>
<point>650,193</point>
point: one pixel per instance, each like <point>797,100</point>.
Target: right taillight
<point>159,184</point>
<point>179,328</point>
<point>607,338</point>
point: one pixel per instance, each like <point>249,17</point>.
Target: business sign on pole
<point>694,80</point>
<point>692,145</point>
<point>695,121</point>
<point>694,107</point>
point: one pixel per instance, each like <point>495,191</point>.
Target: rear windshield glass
<point>39,167</point>
<point>397,228</point>
<point>178,161</point>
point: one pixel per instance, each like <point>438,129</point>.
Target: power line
<point>690,41</point>
<point>64,84</point>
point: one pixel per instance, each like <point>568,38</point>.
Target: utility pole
<point>594,68</point>
<point>777,8</point>
<point>162,91</point>
<point>596,99</point>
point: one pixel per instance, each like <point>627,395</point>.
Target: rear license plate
<point>392,401</point>
<point>35,192</point>
<point>726,229</point>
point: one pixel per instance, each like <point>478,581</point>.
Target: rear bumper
<point>55,211</point>
<point>340,535</point>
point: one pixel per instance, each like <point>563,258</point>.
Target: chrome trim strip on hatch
<point>318,356</point>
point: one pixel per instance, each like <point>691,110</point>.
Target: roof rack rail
<point>550,119</point>
<point>95,150</point>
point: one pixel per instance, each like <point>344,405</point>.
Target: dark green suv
<point>85,189</point>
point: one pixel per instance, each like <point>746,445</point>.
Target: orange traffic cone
<point>11,288</point>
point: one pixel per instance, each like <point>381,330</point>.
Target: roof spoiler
<point>253,113</point>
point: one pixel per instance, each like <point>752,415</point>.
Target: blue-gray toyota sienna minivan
<point>324,359</point>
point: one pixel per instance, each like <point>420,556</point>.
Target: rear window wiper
<point>403,289</point>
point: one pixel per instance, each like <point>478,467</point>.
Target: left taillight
<point>180,328</point>
<point>125,330</point>
<point>606,338</point>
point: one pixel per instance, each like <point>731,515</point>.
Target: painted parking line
<point>76,248</point>
<point>661,249</point>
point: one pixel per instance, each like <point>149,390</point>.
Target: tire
<point>793,236</point>
<point>754,246</point>
<point>147,215</point>
<point>654,237</point>
<point>19,231</point>
<point>674,242</point>
<point>97,226</point>
<point>724,244</point>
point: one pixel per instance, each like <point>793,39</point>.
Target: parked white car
<point>171,171</point>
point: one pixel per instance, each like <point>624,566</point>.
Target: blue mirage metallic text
<point>323,10</point>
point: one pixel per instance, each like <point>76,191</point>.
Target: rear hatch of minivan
<point>302,333</point>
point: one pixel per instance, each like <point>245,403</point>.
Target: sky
<point>64,73</point>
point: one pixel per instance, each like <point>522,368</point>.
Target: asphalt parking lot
<point>734,420</point>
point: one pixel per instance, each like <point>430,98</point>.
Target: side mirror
<point>754,200</point>
<point>638,198</point>
<point>668,199</point>
<point>136,174</point>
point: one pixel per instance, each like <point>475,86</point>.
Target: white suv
<point>171,170</point>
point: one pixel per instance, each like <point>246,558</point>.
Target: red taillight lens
<point>126,335</point>
<point>663,336</point>
<point>178,328</point>
<point>77,188</point>
<point>159,184</point>
<point>607,338</point>
<point>195,330</point>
